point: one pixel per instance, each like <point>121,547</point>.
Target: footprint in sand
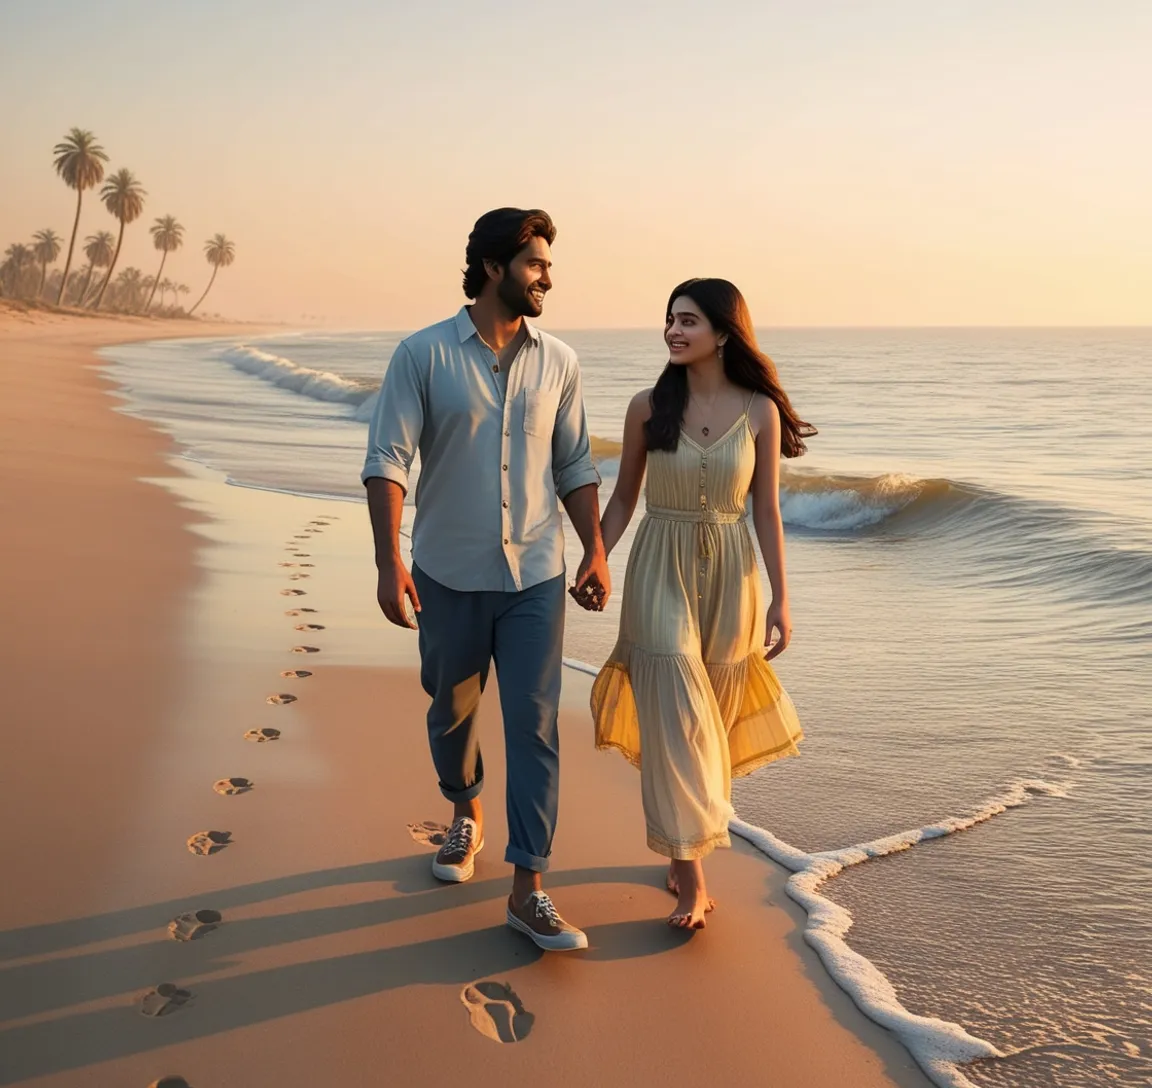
<point>305,649</point>
<point>298,577</point>
<point>282,699</point>
<point>295,674</point>
<point>172,1081</point>
<point>305,564</point>
<point>299,611</point>
<point>165,999</point>
<point>205,843</point>
<point>194,925</point>
<point>292,592</point>
<point>232,786</point>
<point>429,833</point>
<point>317,523</point>
<point>309,627</point>
<point>303,555</point>
<point>287,563</point>
<point>300,536</point>
<point>496,1012</point>
<point>260,736</point>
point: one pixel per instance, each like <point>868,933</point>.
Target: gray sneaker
<point>539,920</point>
<point>455,861</point>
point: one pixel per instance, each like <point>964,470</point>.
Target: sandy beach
<point>149,622</point>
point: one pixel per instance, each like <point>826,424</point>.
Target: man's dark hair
<point>498,236</point>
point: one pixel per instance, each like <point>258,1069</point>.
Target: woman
<point>688,695</point>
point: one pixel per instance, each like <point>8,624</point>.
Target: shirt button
<point>505,540</point>
<point>507,433</point>
<point>504,467</point>
<point>505,505</point>
<point>495,369</point>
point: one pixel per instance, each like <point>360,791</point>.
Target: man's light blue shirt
<point>497,451</point>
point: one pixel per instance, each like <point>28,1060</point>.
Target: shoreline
<point>165,610</point>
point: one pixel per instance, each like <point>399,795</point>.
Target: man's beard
<point>516,298</point>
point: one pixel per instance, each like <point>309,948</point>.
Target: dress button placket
<point>703,506</point>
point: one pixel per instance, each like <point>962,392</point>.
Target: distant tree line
<point>24,272</point>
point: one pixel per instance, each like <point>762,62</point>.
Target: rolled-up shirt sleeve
<point>397,422</point>
<point>572,465</point>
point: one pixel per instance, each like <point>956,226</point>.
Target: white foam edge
<point>318,384</point>
<point>939,1047</point>
<point>580,666</point>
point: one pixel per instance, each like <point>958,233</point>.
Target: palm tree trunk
<point>163,258</point>
<point>43,277</point>
<point>215,269</point>
<point>115,257</point>
<point>87,283</point>
<point>71,246</point>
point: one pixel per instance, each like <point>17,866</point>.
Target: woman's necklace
<point>707,411</point>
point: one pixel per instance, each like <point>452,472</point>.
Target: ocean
<point>969,555</point>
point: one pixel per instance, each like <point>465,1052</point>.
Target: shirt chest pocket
<point>540,412</point>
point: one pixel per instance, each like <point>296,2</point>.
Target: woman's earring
<point>720,351</point>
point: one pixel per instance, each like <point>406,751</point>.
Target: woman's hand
<point>780,619</point>
<point>593,582</point>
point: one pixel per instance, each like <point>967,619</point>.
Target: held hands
<point>593,582</point>
<point>780,620</point>
<point>394,588</point>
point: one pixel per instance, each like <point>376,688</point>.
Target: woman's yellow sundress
<point>687,695</point>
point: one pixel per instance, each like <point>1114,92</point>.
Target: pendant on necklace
<point>704,431</point>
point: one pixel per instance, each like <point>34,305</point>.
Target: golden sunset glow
<point>893,163</point>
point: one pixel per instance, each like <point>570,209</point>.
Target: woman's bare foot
<point>673,885</point>
<point>692,898</point>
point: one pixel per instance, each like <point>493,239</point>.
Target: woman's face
<point>689,334</point>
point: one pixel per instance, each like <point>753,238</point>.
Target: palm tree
<point>167,235</point>
<point>71,292</point>
<point>165,286</point>
<point>80,162</point>
<point>220,253</point>
<point>123,196</point>
<point>129,288</point>
<point>180,289</point>
<point>18,258</point>
<point>98,250</point>
<point>46,249</point>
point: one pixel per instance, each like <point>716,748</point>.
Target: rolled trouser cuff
<point>465,794</point>
<point>515,856</point>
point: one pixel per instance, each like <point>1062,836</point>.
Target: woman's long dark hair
<point>744,365</point>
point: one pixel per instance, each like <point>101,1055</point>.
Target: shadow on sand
<point>72,1041</point>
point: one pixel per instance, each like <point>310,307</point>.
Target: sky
<point>891,162</point>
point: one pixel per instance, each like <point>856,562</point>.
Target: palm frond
<point>80,160</point>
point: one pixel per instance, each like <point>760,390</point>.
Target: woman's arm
<point>767,520</point>
<point>633,459</point>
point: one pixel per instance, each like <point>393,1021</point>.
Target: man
<point>494,406</point>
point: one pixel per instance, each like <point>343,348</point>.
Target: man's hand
<point>593,582</point>
<point>392,586</point>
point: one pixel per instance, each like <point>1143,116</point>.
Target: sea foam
<point>317,384</point>
<point>939,1047</point>
<point>840,503</point>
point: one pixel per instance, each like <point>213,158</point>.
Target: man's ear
<point>494,270</point>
